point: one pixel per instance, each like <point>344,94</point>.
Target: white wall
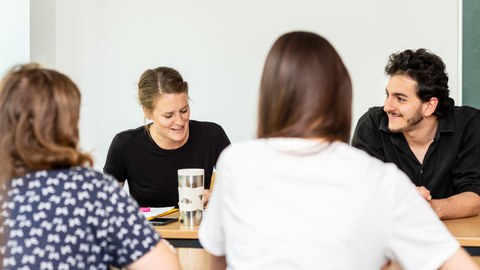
<point>220,46</point>
<point>42,32</point>
<point>14,33</point>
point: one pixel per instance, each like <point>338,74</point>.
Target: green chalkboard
<point>471,53</point>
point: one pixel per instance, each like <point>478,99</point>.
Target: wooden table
<point>467,232</point>
<point>185,239</point>
<point>178,235</point>
<point>192,256</point>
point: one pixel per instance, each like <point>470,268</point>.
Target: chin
<point>178,137</point>
<point>396,129</point>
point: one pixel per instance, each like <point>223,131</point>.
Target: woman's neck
<point>165,143</point>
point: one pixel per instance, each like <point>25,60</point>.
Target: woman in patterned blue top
<point>55,212</point>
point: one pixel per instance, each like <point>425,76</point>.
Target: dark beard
<point>417,118</point>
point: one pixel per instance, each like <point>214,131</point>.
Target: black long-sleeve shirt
<point>452,162</point>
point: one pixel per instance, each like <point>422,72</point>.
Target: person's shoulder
<point>77,179</point>
<point>372,118</point>
<point>376,111</point>
<point>361,162</point>
<point>204,127</point>
<point>130,135</point>
<point>239,150</point>
<point>203,124</point>
<point>352,153</point>
<point>91,175</point>
<point>248,144</point>
<point>465,112</point>
<point>131,132</point>
<point>99,185</point>
<point>373,114</point>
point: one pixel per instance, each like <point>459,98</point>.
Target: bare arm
<point>465,204</point>
<point>217,263</point>
<point>162,256</point>
<point>459,260</point>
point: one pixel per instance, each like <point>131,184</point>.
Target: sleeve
<point>467,164</point>
<point>222,142</point>
<point>116,164</point>
<point>128,233</point>
<point>211,231</point>
<point>417,238</point>
<point>367,135</point>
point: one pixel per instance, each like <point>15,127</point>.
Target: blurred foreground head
<point>39,114</point>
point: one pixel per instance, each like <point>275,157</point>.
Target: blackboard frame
<point>471,53</point>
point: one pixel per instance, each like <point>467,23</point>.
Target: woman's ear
<point>430,106</point>
<point>147,113</point>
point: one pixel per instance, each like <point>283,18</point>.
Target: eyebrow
<point>396,94</point>
<point>186,106</point>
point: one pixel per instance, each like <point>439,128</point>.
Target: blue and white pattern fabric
<point>75,218</point>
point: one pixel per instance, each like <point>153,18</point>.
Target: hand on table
<point>424,192</point>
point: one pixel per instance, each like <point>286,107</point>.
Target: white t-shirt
<point>299,204</point>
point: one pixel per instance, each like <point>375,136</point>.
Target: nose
<point>179,120</point>
<point>387,105</point>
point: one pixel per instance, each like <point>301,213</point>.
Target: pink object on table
<point>144,209</point>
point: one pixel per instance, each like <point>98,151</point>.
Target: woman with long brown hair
<point>299,197</point>
<point>57,212</point>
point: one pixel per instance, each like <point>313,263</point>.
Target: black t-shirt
<point>452,162</point>
<point>152,171</point>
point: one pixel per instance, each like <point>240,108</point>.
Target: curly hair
<point>39,114</point>
<point>428,70</point>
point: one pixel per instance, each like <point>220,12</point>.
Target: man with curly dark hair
<point>436,143</point>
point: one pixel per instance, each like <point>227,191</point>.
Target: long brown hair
<point>39,114</point>
<point>305,90</point>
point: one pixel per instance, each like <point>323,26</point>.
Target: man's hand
<point>425,193</point>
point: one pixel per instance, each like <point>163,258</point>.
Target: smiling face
<point>404,109</point>
<point>170,117</point>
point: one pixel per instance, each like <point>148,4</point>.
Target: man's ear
<point>430,106</point>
